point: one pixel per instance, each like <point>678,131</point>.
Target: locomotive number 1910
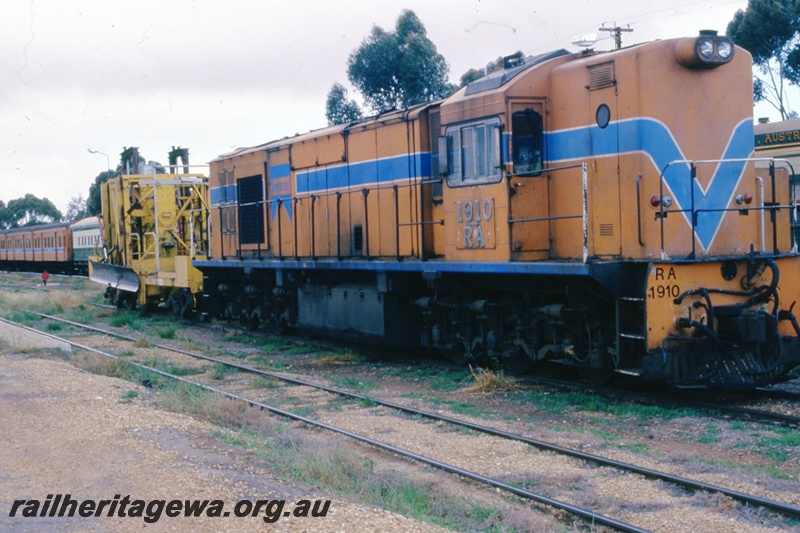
<point>475,221</point>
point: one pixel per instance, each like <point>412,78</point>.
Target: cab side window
<point>470,153</point>
<point>527,141</point>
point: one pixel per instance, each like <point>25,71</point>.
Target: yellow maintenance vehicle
<point>153,225</point>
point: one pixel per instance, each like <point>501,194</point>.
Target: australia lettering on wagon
<point>779,137</point>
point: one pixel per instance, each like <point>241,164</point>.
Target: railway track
<point>728,410</point>
<point>685,483</point>
<point>23,288</point>
<point>724,409</point>
<point>588,515</point>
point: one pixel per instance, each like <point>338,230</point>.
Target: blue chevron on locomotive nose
<point>652,137</point>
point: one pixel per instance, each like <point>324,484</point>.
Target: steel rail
<point>743,412</point>
<point>586,514</point>
<point>781,507</point>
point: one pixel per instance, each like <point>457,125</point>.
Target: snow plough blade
<point>119,277</point>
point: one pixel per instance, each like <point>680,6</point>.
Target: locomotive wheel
<point>460,354</point>
<point>129,301</point>
<point>123,300</point>
<point>516,363</point>
<point>249,321</point>
<point>276,327</point>
<point>111,295</point>
<point>181,304</point>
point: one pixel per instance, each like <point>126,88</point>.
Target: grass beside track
<point>606,423</point>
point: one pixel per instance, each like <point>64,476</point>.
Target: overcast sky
<point>212,75</point>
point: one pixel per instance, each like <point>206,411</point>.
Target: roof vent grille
<point>601,76</point>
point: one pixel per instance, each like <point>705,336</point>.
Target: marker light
<point>655,201</point>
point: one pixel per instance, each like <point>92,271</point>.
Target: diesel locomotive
<point>598,209</point>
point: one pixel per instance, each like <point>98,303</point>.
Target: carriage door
<point>528,185</point>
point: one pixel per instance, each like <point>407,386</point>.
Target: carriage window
<point>527,141</point>
<point>473,153</point>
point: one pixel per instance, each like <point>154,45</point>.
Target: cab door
<point>528,184</point>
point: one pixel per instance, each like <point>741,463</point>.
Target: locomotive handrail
<point>138,244</point>
<point>198,213</point>
<point>542,172</point>
<point>773,207</point>
<point>585,202</point>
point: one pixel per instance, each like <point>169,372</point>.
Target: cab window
<point>472,153</point>
<point>527,141</point>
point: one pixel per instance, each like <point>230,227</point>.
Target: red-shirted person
<point>45,277</point>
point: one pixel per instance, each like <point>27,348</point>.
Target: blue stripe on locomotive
<point>364,173</point>
<point>279,189</point>
<point>324,179</point>
<point>654,139</point>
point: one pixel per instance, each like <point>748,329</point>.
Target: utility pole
<point>617,31</point>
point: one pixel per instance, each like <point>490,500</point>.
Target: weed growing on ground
<point>354,383</point>
<point>130,320</point>
<point>167,333</point>
<point>129,396</point>
<point>345,473</point>
<point>561,402</point>
<point>439,379</point>
<point>781,445</point>
<point>490,381</point>
<point>710,434</point>
<point>265,382</point>
<point>339,357</point>
<point>171,368</point>
<point>219,371</point>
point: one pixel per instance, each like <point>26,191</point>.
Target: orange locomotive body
<point>601,210</point>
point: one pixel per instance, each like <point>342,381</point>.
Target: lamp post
<point>108,160</point>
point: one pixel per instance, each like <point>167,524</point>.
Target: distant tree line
<point>770,31</point>
<point>28,211</point>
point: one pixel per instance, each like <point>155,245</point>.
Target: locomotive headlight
<point>707,51</point>
<point>725,49</point>
<point>705,48</point>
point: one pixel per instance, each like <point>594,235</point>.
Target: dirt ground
<point>66,432</point>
